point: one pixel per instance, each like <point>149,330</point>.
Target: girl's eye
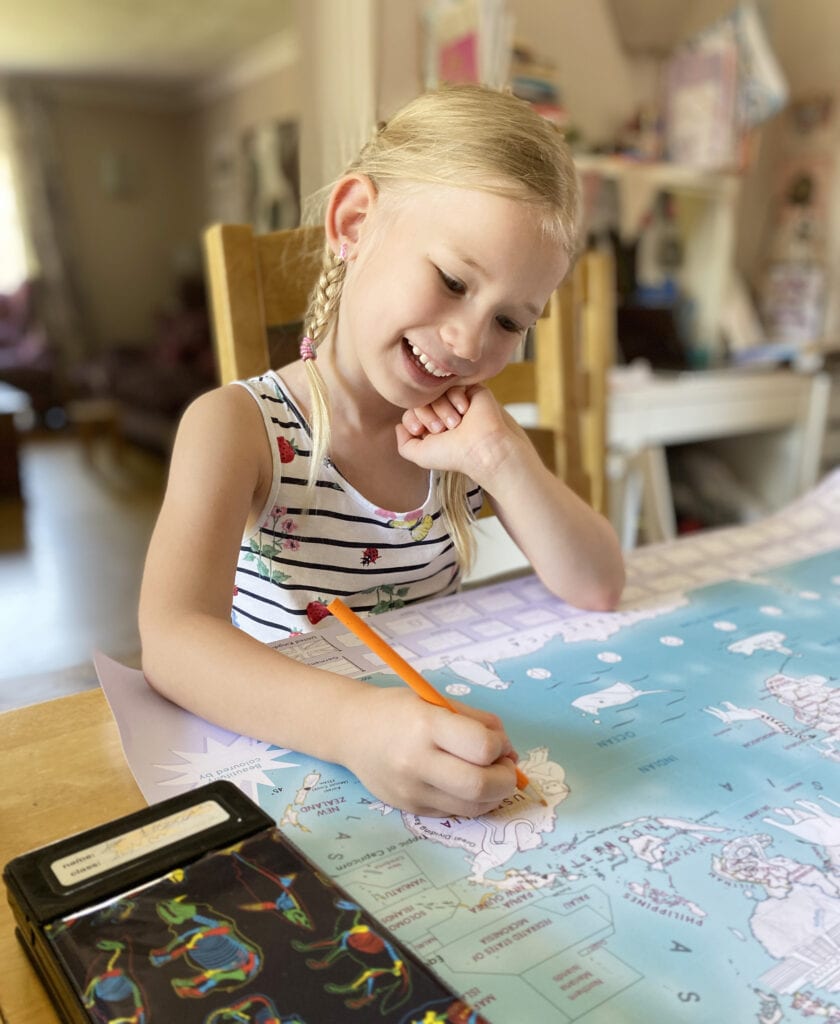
<point>507,324</point>
<point>452,283</point>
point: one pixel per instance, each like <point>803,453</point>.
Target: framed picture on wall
<point>272,176</point>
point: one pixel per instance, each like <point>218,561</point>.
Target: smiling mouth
<point>426,364</point>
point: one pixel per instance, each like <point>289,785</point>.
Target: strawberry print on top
<point>287,450</point>
<point>317,610</point>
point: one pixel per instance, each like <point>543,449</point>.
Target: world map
<point>686,863</point>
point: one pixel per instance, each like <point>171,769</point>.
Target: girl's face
<point>442,287</point>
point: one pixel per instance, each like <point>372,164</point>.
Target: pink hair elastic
<point>307,349</point>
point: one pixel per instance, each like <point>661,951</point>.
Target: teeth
<point>428,365</point>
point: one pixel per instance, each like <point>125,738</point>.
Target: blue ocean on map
<point>687,864</point>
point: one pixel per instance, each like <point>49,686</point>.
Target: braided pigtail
<point>458,516</point>
<point>322,312</point>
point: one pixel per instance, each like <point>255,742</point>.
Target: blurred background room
<point>126,128</point>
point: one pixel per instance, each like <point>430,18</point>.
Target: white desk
<point>773,423</point>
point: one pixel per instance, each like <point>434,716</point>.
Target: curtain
<point>38,178</point>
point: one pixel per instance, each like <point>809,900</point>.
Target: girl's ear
<point>351,202</point>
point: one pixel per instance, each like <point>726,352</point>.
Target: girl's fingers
<point>443,414</point>
<point>446,412</point>
<point>428,418</point>
<point>458,397</point>
<point>458,787</point>
<point>412,423</point>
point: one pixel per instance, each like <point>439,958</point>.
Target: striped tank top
<point>298,558</point>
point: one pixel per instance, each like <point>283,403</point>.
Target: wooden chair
<point>560,394</point>
<point>257,282</point>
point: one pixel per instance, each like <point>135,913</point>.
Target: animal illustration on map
<point>211,944</point>
<point>113,996</point>
<point>377,959</point>
<point>610,697</point>
<point>286,903</point>
<point>255,1009</point>
<point>730,713</point>
<point>479,673</point>
<point>812,824</point>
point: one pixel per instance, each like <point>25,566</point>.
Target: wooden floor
<point>70,583</point>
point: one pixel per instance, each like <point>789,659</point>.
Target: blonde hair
<point>465,136</point>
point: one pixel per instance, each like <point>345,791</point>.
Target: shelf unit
<point>706,208</point>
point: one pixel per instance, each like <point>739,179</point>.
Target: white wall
<point>601,86</point>
<point>367,65</point>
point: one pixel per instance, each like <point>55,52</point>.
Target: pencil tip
<point>535,794</point>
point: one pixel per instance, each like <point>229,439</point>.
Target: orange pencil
<point>422,687</point>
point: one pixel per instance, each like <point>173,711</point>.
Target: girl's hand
<point>444,414</point>
<point>426,760</point>
<point>464,430</point>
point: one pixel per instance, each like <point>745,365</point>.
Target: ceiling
<point>151,40</point>
<point>650,26</point>
<point>188,43</point>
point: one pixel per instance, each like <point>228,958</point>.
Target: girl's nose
<point>463,339</point>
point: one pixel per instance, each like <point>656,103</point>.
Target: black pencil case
<point>198,910</point>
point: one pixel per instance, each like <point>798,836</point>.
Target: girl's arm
<point>573,549</point>
<point>408,753</point>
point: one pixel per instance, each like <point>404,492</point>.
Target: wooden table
<point>85,782</point>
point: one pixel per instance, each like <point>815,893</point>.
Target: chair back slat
<point>289,263</point>
<point>574,342</point>
<point>256,282</point>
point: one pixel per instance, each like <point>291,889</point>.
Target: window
<point>13,264</point>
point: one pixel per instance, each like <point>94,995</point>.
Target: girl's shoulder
<point>273,394</point>
<point>222,409</point>
<point>221,448</point>
<point>224,421</point>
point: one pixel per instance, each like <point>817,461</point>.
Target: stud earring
<point>342,252</point>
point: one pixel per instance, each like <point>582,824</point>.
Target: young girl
<point>356,470</point>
